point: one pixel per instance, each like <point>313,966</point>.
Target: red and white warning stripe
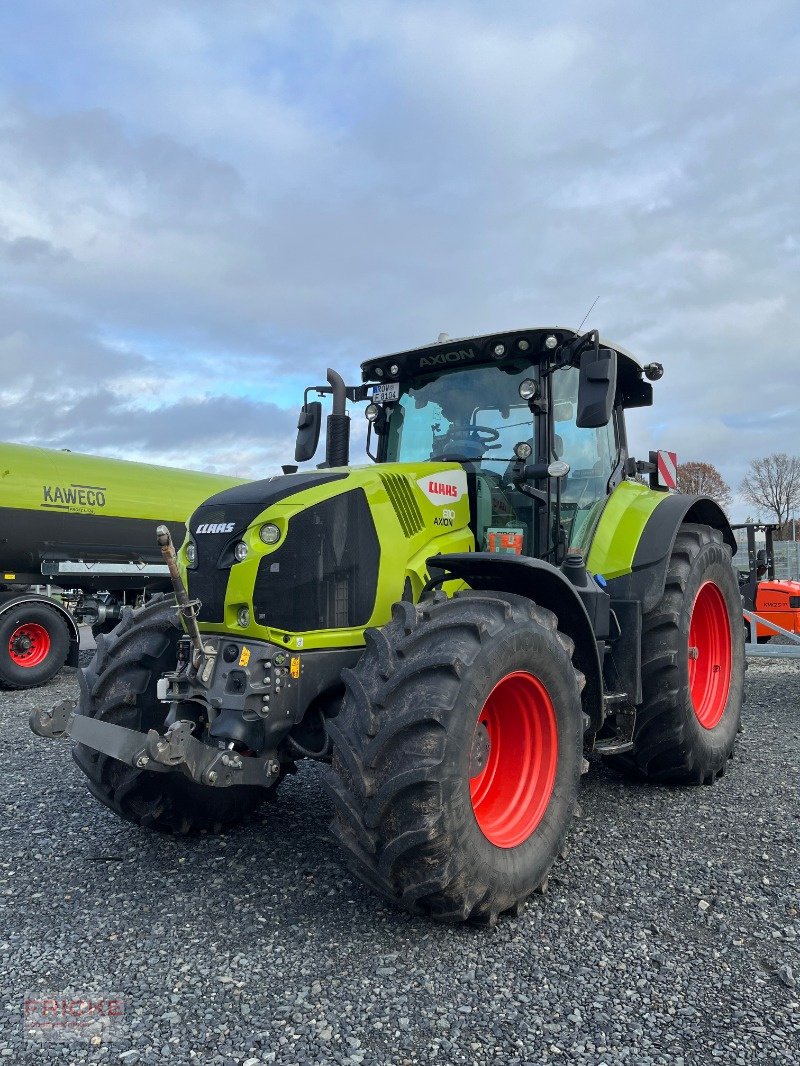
<point>668,469</point>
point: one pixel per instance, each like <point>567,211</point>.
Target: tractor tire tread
<point>389,765</point>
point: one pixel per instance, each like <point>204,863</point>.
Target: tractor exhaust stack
<point>337,443</point>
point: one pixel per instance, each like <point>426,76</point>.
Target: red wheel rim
<point>513,784</point>
<point>29,645</point>
<point>710,662</point>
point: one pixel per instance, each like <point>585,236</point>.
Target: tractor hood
<point>348,543</point>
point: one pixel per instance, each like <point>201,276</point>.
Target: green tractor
<point>453,627</point>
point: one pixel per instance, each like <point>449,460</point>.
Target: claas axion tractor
<point>453,627</point>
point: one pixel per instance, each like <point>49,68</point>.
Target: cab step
<point>621,717</point>
<point>613,746</point>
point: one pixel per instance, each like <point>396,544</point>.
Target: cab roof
<point>519,345</point>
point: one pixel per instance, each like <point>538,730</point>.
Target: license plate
<point>390,390</point>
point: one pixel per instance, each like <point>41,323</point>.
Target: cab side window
<point>591,454</point>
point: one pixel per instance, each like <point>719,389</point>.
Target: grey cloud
<point>23,250</point>
<point>98,419</point>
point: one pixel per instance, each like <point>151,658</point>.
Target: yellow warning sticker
<point>244,658</point>
<point>294,666</point>
<point>9,577</point>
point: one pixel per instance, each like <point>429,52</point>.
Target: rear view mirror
<point>308,427</point>
<point>597,388</point>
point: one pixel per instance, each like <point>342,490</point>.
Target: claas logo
<point>215,527</point>
<point>439,488</point>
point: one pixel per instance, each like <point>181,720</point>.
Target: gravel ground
<point>670,933</point>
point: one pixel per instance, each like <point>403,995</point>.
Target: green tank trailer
<point>83,525</point>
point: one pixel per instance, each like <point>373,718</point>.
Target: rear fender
<point>647,577</point>
<point>545,585</point>
<point>14,600</point>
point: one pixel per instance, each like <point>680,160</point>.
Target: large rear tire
<point>457,755</point>
<point>692,667</point>
<point>119,686</point>
<point>34,644</point>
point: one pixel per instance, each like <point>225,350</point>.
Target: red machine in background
<point>774,600</point>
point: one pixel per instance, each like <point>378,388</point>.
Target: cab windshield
<point>473,415</point>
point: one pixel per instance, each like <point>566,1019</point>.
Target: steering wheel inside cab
<point>465,442</point>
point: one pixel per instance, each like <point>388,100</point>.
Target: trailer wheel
<point>457,755</point>
<point>692,667</point>
<point>119,686</point>
<point>34,644</point>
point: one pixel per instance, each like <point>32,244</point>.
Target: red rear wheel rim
<point>710,660</point>
<point>29,645</point>
<point>512,789</point>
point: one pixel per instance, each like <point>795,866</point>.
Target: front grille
<point>208,581</point>
<point>325,573</point>
<point>401,497</point>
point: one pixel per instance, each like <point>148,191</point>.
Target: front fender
<point>547,586</point>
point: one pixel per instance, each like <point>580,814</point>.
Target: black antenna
<point>580,327</point>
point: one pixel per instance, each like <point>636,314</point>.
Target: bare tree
<point>703,479</point>
<point>773,484</point>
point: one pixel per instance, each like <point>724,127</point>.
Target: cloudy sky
<point>203,205</point>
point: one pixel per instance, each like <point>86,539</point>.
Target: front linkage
<point>174,750</point>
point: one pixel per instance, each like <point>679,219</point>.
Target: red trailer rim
<point>29,645</point>
<point>710,659</point>
<point>515,754</point>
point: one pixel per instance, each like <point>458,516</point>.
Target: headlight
<point>523,450</point>
<point>371,412</point>
<point>240,551</point>
<point>243,617</point>
<point>191,553</point>
<point>551,342</point>
<point>269,533</point>
<point>528,389</point>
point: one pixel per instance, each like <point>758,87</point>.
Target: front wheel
<point>692,667</point>
<point>119,686</point>
<point>457,755</point>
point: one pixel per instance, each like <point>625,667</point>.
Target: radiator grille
<point>208,582</point>
<point>401,497</point>
<point>325,573</point>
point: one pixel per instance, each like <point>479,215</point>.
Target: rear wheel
<point>119,686</point>
<point>457,755</point>
<point>34,643</point>
<point>692,667</point>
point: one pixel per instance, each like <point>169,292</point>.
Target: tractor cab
<point>535,417</point>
